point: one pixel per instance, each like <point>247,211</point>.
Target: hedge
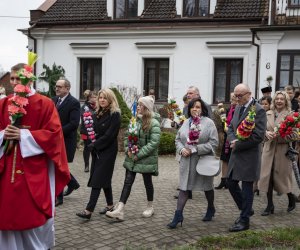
<point>125,111</point>
<point>167,143</point>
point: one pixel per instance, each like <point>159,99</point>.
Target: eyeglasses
<point>59,87</point>
<point>240,96</point>
<point>15,79</point>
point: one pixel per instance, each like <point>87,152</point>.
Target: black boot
<point>209,214</point>
<point>223,184</point>
<point>210,205</point>
<point>269,210</point>
<point>178,218</point>
<point>292,202</point>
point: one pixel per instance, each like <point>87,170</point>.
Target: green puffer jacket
<point>148,142</point>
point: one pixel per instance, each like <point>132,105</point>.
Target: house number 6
<point>268,66</point>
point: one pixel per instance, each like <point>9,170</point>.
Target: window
<point>196,8</point>
<point>288,69</point>
<point>227,74</point>
<point>294,3</point>
<point>157,78</point>
<point>125,9</point>
<point>90,74</point>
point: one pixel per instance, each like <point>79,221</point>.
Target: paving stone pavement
<point>151,233</point>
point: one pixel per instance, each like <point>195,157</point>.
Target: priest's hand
<point>12,133</point>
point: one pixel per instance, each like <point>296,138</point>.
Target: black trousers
<point>95,193</point>
<point>86,153</point>
<point>129,180</point>
<point>242,197</point>
<point>71,184</point>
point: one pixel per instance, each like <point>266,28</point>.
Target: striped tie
<point>58,102</point>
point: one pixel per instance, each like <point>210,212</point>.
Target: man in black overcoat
<point>68,108</point>
<point>244,162</point>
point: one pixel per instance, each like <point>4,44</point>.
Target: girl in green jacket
<point>141,156</point>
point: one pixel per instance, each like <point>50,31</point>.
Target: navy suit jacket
<point>69,113</point>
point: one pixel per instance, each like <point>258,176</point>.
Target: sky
<point>12,42</point>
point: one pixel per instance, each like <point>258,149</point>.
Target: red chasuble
<point>25,197</point>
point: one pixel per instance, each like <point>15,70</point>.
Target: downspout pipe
<point>254,35</point>
<point>270,12</point>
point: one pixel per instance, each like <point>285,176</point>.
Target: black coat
<point>105,149</point>
<point>69,113</point>
<point>245,158</point>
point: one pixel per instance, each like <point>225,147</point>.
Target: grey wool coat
<point>189,179</point>
<point>245,159</point>
<point>273,158</point>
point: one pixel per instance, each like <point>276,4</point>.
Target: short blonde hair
<point>288,104</point>
<point>111,98</point>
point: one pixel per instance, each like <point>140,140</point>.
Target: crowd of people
<point>253,155</point>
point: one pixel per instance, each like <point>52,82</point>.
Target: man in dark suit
<point>69,112</point>
<point>244,163</point>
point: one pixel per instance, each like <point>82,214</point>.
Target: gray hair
<point>194,88</point>
<point>67,82</point>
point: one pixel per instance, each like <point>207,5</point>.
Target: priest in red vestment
<point>32,174</point>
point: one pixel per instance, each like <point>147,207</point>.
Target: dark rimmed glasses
<point>240,96</point>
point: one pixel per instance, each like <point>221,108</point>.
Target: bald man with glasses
<point>244,163</point>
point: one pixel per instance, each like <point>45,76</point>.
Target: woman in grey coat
<point>190,148</point>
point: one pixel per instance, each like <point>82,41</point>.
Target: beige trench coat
<point>273,157</point>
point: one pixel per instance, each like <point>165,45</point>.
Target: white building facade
<point>214,49</point>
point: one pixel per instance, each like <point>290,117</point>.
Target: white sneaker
<point>148,212</point>
<point>118,213</point>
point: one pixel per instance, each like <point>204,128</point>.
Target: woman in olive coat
<point>143,159</point>
<point>107,121</point>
